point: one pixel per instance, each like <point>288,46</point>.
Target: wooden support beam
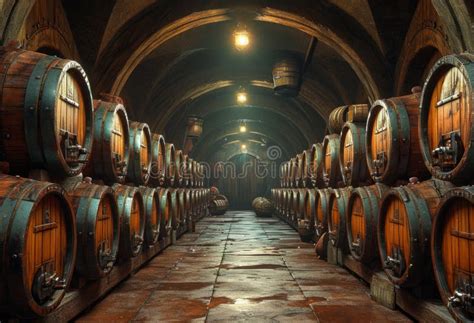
<point>308,58</point>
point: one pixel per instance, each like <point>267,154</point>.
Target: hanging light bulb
<point>243,128</point>
<point>241,38</point>
<point>243,146</point>
<point>241,97</point>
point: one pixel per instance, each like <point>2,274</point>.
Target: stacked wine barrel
<point>86,188</point>
<point>386,184</point>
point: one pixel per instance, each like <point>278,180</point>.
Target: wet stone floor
<point>237,267</point>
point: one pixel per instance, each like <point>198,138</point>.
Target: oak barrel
<point>151,203</point>
<point>337,118</point>
<point>331,170</point>
<point>316,165</point>
<point>404,231</point>
<point>218,205</point>
<point>183,206</point>
<point>98,228</point>
<point>352,159</point>
<point>179,169</point>
<point>393,149</point>
<point>37,246</point>
<point>362,219</point>
<point>132,220</point>
<point>158,158</point>
<point>286,77</point>
<point>322,211</point>
<point>446,119</point>
<point>166,211</point>
<point>451,249</point>
<point>140,153</point>
<point>306,223</point>
<point>110,154</point>
<point>337,217</point>
<point>357,113</point>
<point>170,164</point>
<point>46,113</point>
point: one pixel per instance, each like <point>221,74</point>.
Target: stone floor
<point>238,267</point>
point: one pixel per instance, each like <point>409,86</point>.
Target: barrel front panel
<point>144,152</point>
<point>118,142</point>
<point>357,225</point>
<point>395,234</point>
<point>104,228</point>
<point>449,119</point>
<point>380,142</point>
<point>45,245</point>
<point>347,156</point>
<point>135,218</point>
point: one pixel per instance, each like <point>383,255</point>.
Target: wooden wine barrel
<point>151,202</point>
<point>158,160</point>
<point>98,228</point>
<point>299,170</point>
<point>284,202</point>
<point>331,170</point>
<point>140,153</point>
<point>188,206</point>
<point>35,216</point>
<point>299,203</point>
<point>451,249</point>
<point>337,216</point>
<point>321,201</point>
<point>306,168</point>
<point>404,230</point>
<point>284,174</point>
<point>166,210</point>
<point>362,217</point>
<point>286,77</point>
<point>306,224</point>
<point>46,113</point>
<point>183,206</point>
<point>293,173</point>
<point>110,154</point>
<point>192,179</point>
<point>446,118</point>
<point>170,164</point>
<point>316,165</point>
<point>293,205</point>
<point>358,113</point>
<point>175,209</point>
<point>337,118</point>
<point>352,159</point>
<point>132,220</point>
<point>179,169</point>
<point>218,207</point>
<point>393,150</point>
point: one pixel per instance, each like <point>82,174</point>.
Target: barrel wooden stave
<point>166,211</point>
<point>446,118</point>
<point>331,170</point>
<point>34,214</point>
<point>132,220</point>
<point>404,231</point>
<point>151,202</point>
<point>140,153</point>
<point>316,165</point>
<point>110,154</point>
<point>362,219</point>
<point>46,113</point>
<point>337,217</point>
<point>170,165</point>
<point>337,118</point>
<point>451,247</point>
<point>357,113</point>
<point>321,211</point>
<point>158,160</point>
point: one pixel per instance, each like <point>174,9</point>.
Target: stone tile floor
<point>238,267</point>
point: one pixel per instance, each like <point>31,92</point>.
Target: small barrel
<point>286,77</point>
<point>451,249</point>
<point>110,155</point>
<point>321,201</point>
<point>352,159</point>
<point>158,160</point>
<point>179,169</point>
<point>38,239</point>
<point>446,118</point>
<point>404,231</point>
<point>263,207</point>
<point>132,220</point>
<point>98,228</point>
<point>331,170</point>
<point>46,113</point>
<point>166,211</point>
<point>140,153</point>
<point>316,165</point>
<point>337,119</point>
<point>337,217</point>
<point>393,149</point>
<point>151,202</point>
<point>362,217</point>
<point>357,113</point>
<point>170,165</point>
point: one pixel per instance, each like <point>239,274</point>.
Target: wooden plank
<point>358,268</point>
<point>422,310</point>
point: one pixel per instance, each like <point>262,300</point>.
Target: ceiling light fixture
<point>241,97</point>
<point>241,38</point>
<point>243,128</point>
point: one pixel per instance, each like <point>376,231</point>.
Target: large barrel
<point>166,211</point>
<point>357,113</point>
<point>218,205</point>
<point>191,172</point>
<point>37,245</point>
<point>170,164</point>
<point>283,174</point>
<point>98,228</point>
<point>446,118</point>
<point>110,155</point>
<point>299,204</point>
<point>46,113</point>
<point>300,161</point>
<point>322,211</point>
<point>337,118</point>
<point>286,76</point>
<point>404,230</point>
<point>316,165</point>
<point>151,202</point>
<point>352,159</point>
<point>451,249</point>
<point>284,202</point>
<point>158,160</point>
<point>309,210</point>
<point>362,218</point>
<point>292,205</point>
<point>179,169</point>
<point>331,169</point>
<point>132,220</point>
<point>140,153</point>
<point>393,149</point>
<point>183,206</point>
<point>337,217</point>
<point>306,180</point>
